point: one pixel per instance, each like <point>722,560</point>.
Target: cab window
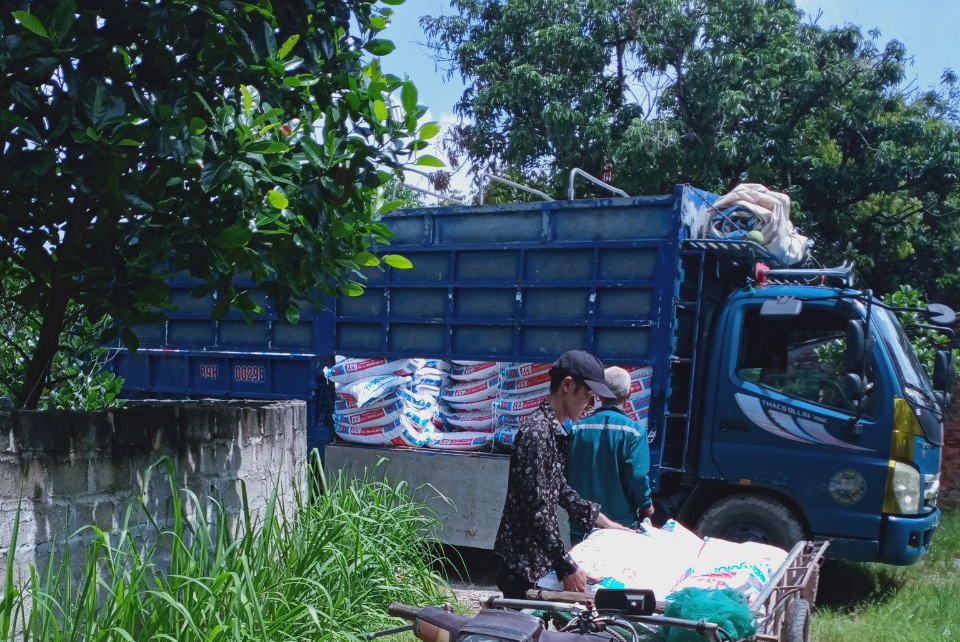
<point>801,357</point>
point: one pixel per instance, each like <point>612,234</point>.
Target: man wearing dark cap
<point>529,542</point>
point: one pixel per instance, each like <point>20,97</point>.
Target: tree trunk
<point>55,314</point>
<point>48,342</point>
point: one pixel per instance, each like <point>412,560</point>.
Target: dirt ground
<point>470,595</point>
<point>472,575</point>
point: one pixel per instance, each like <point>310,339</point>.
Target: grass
<point>877,603</point>
<point>320,570</point>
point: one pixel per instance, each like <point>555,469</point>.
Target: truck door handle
<point>734,425</point>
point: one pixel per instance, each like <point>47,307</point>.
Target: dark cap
<point>584,365</point>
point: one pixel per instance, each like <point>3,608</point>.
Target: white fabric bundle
<point>780,238</point>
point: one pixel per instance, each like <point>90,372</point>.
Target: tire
<point>752,518</point>
<point>796,622</point>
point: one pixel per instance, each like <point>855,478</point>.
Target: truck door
<point>782,422</point>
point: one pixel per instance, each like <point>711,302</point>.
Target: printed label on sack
<point>373,417</point>
<point>521,370</point>
<point>475,372</point>
<point>527,384</point>
<point>471,391</point>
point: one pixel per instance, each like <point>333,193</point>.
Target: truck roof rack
<point>488,178</point>
<point>576,171</point>
<point>736,251</point>
<point>764,274</point>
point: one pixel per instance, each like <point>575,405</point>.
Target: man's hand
<point>577,581</point>
<point>649,511</point>
<point>605,522</point>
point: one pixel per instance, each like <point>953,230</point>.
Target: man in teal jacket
<point>609,459</point>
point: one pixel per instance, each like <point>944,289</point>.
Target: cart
<point>782,608</point>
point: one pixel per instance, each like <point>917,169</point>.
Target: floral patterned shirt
<point>529,541</point>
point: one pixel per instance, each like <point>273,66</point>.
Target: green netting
<point>725,607</point>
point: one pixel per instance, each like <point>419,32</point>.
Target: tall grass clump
<point>878,603</point>
<point>324,569</point>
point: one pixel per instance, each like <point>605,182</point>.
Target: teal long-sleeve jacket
<point>609,463</point>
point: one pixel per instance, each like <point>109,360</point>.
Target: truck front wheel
<point>751,518</point>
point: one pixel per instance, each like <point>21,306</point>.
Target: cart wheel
<point>796,621</point>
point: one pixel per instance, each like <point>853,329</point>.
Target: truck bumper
<point>904,540</point>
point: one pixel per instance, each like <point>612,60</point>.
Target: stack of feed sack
<point>638,403</point>
<point>523,387</point>
<point>467,405</point>
<point>369,408</point>
<point>421,396</point>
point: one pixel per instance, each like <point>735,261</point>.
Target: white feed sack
<point>478,420</point>
<point>475,372</point>
<point>462,440</point>
<point>397,403</point>
<point>369,408</point>
<point>671,559</point>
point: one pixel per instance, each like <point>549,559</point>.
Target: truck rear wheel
<point>751,518</point>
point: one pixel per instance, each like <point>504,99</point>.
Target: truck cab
<point>805,435</point>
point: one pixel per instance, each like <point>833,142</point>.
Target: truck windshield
<point>909,370</point>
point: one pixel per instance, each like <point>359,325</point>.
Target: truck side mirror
<point>856,343</point>
<point>940,314</point>
<point>781,308</point>
<point>944,399</point>
<point>941,370</point>
<point>853,386</point>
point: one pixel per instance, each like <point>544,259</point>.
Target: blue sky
<point>928,29</point>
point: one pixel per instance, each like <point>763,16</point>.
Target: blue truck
<point>785,404</point>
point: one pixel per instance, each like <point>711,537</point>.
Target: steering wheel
<point>782,381</point>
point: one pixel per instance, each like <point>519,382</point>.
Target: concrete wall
<point>67,470</point>
<point>466,491</point>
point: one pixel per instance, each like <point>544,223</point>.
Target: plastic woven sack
<point>350,370</point>
<point>460,440</point>
<point>475,372</point>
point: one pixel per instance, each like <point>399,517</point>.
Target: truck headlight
<point>931,489</point>
<point>905,489</point>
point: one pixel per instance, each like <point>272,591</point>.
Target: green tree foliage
<point>926,341</point>
<point>214,138</point>
<point>714,93</point>
<point>77,379</point>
